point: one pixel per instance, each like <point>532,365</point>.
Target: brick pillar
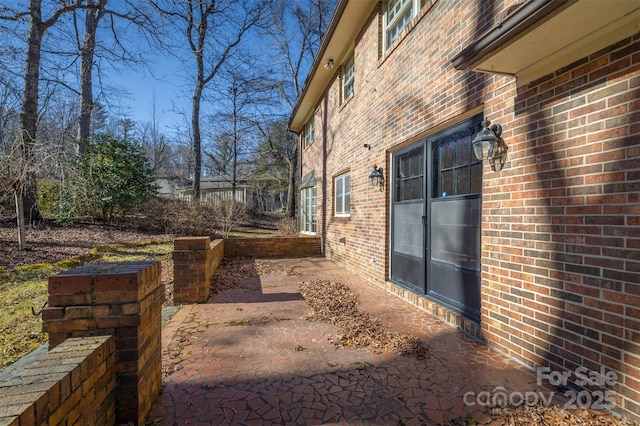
<point>192,270</point>
<point>123,300</point>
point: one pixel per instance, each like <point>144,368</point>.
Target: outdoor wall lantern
<point>488,145</point>
<point>377,177</point>
<point>329,64</point>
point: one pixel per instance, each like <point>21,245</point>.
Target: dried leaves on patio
<point>234,270</point>
<point>334,302</point>
<point>558,416</point>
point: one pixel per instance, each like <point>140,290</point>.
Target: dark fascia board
<point>516,23</point>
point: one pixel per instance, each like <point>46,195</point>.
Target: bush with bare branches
<point>228,215</point>
<point>288,226</point>
<point>177,217</point>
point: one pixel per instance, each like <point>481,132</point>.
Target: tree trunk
<point>234,169</point>
<point>92,16</point>
<point>29,114</point>
<point>22,244</point>
<point>197,139</point>
<point>291,195</point>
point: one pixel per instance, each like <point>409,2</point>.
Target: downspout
<point>324,175</point>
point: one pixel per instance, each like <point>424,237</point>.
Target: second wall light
<point>377,177</point>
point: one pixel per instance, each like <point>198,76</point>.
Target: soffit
<point>346,24</point>
<point>542,36</point>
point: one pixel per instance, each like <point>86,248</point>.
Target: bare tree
<point>242,93</point>
<point>9,111</point>
<point>213,29</point>
<point>118,51</point>
<point>277,155</point>
<point>37,27</point>
<point>297,33</point>
<point>156,144</point>
<point>87,51</point>
<point>16,171</point>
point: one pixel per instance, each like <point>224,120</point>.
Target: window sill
<point>345,102</point>
<point>341,219</point>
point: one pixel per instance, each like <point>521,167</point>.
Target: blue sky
<point>166,85</point>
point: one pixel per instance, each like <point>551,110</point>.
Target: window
<point>409,177</point>
<point>308,210</point>
<point>309,134</point>
<point>398,14</point>
<point>459,172</point>
<point>342,187</point>
<point>348,78</point>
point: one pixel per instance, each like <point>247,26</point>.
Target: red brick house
<point>535,251</point>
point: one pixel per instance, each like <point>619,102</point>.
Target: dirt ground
<point>49,243</point>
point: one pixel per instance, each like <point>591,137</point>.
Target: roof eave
<point>523,18</point>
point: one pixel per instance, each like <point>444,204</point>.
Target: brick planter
<point>123,300</point>
<point>195,260</point>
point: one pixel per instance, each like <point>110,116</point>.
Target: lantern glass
<point>373,177</point>
<point>484,148</point>
<point>484,144</point>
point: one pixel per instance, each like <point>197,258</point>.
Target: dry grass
<point>20,330</point>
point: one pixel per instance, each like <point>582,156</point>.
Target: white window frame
<point>309,132</point>
<point>308,210</point>
<point>342,198</point>
<point>348,77</point>
<point>398,15</point>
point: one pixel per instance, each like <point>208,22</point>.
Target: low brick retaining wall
<point>120,299</point>
<point>283,247</point>
<point>71,384</point>
<point>195,260</point>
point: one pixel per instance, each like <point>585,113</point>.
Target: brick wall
<point>399,95</point>
<point>71,384</point>
<point>560,227</point>
<point>273,247</point>
<point>195,260</point>
<point>561,235</point>
<point>119,299</point>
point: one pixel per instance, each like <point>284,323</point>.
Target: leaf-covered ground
<point>334,302</point>
<point>23,274</point>
<point>50,243</point>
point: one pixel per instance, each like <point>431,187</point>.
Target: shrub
<point>120,176</point>
<point>48,197</point>
<point>288,226</point>
<point>228,214</point>
<point>177,217</point>
<point>111,179</point>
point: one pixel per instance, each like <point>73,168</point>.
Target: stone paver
<point>249,357</point>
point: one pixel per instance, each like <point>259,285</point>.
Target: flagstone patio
<point>249,357</point>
